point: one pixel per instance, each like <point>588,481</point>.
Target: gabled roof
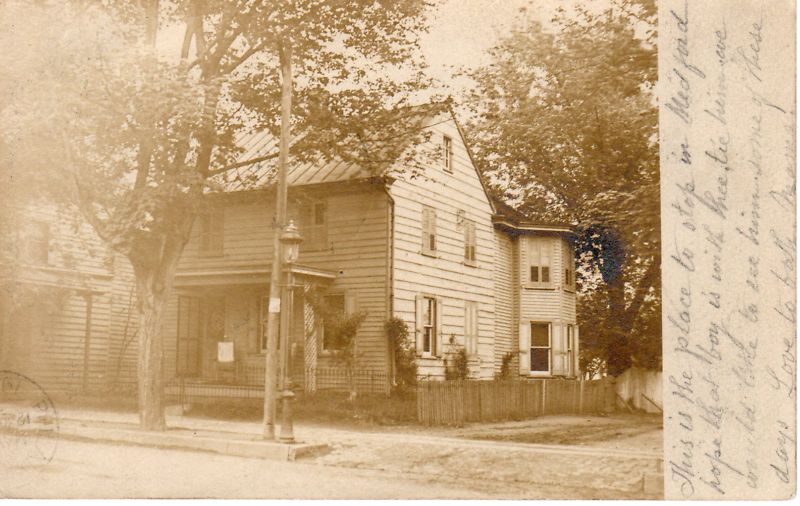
<point>262,148</point>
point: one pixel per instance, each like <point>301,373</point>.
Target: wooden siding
<point>445,276</point>
<point>505,314</point>
<point>356,252</point>
<point>45,339</point>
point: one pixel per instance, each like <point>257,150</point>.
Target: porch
<point>219,324</point>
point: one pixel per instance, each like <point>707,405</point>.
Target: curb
<point>271,450</point>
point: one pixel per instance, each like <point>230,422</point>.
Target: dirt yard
<point>618,431</point>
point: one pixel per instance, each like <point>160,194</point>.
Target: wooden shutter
<point>438,341</point>
<point>471,327</point>
<point>525,348</point>
<point>558,349</point>
<point>420,312</point>
<point>426,223</point>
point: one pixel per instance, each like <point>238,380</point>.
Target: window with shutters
<point>314,225</point>
<point>334,308</point>
<point>212,233</point>
<point>570,369</point>
<point>428,326</point>
<point>568,258</point>
<point>539,262</point>
<point>447,153</point>
<point>541,348</point>
<point>428,231</point>
<point>470,243</point>
<point>35,243</point>
<point>471,327</point>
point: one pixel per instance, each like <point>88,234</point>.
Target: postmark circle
<point>28,421</point>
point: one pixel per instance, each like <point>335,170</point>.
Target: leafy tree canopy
<point>565,127</point>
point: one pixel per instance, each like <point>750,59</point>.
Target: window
<point>470,243</point>
<point>35,243</point>
<point>314,226</point>
<point>428,230</point>
<point>447,153</point>
<point>570,368</point>
<point>263,318</point>
<point>428,325</point>
<point>569,267</point>
<point>471,327</point>
<point>335,307</point>
<point>212,232</point>
<point>539,253</point>
<point>540,347</point>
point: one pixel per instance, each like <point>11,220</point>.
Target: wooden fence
<point>457,402</point>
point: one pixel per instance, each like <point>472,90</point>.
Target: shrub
<point>457,362</point>
<point>405,365</point>
<point>505,365</point>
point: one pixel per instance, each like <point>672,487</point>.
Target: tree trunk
<point>155,272</point>
<point>151,354</point>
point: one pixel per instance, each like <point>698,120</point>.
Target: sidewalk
<point>480,465</point>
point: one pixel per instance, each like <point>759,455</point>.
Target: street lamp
<point>290,246</point>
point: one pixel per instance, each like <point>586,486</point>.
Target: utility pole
<point>273,319</point>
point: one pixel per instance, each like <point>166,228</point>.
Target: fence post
<point>580,398</point>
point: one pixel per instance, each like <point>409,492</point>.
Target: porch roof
<point>245,275</point>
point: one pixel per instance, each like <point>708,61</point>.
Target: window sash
<point>428,230</point>
<point>447,153</point>
<point>314,225</point>
<point>540,352</point>
<point>429,325</point>
<point>212,232</point>
<point>470,241</point>
<point>539,262</point>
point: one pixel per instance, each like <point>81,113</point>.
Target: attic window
<point>447,153</point>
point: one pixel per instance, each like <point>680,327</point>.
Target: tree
<point>135,137</point>
<point>565,126</point>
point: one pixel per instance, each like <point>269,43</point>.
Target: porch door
<point>189,351</point>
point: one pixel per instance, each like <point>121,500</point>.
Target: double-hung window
<point>428,231</point>
<point>428,326</point>
<point>447,153</point>
<point>212,232</point>
<point>541,347</point>
<point>314,225</point>
<point>470,243</point>
<point>568,259</point>
<point>539,262</point>
<point>471,327</point>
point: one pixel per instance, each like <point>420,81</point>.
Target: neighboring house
<point>63,302</point>
<point>432,250</point>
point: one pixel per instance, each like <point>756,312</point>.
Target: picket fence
<point>457,402</point>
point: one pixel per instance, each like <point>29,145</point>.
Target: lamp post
<point>290,246</point>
